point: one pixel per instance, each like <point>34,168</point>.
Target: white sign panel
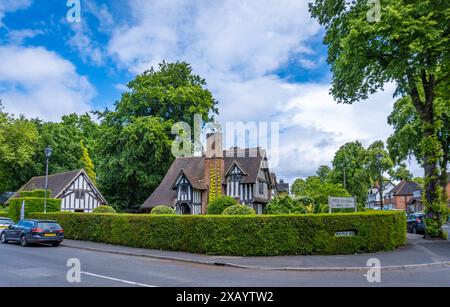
<point>342,203</point>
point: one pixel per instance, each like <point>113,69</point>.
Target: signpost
<point>342,203</point>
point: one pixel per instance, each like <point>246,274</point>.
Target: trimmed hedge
<point>35,194</point>
<point>240,235</point>
<point>32,204</point>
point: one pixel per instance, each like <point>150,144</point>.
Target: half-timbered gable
<point>76,191</point>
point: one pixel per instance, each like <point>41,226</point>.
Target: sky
<point>263,60</point>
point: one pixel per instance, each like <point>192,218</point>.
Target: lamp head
<point>48,152</point>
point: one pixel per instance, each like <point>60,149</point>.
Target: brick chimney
<point>214,147</point>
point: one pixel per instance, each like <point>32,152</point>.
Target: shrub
<point>32,204</point>
<point>219,204</point>
<point>163,210</point>
<point>239,210</point>
<point>104,209</point>
<point>35,194</point>
<point>285,204</point>
<point>252,235</point>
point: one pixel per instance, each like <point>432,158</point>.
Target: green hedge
<point>32,204</point>
<point>240,235</point>
<point>104,209</point>
<point>35,193</point>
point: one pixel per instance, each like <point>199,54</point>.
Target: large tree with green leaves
<point>317,190</point>
<point>18,141</point>
<point>408,46</point>
<point>349,168</point>
<point>135,140</point>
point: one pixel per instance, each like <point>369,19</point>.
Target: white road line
<point>119,280</point>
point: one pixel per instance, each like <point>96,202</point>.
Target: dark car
<point>416,223</point>
<point>5,223</point>
<point>34,232</point>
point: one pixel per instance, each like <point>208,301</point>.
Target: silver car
<point>5,223</point>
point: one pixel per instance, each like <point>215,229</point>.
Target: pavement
<point>115,266</point>
<point>417,253</point>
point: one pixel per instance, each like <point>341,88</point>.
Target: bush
<point>163,210</point>
<point>218,205</point>
<point>32,204</point>
<point>239,210</point>
<point>252,235</point>
<point>104,209</point>
<point>35,194</point>
<point>285,204</point>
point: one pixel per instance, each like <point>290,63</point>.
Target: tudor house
<point>240,173</point>
<point>76,191</point>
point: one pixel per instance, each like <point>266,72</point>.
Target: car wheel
<point>414,230</point>
<point>3,238</point>
<point>23,241</point>
<point>56,244</point>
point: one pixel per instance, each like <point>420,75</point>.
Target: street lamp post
<point>48,153</point>
<point>379,158</point>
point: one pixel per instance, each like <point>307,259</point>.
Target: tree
<point>171,93</point>
<point>134,146</point>
<point>323,172</point>
<point>135,159</point>
<point>314,189</point>
<point>408,128</point>
<point>18,141</point>
<point>88,165</point>
<point>377,163</point>
<point>401,173</point>
<point>349,168</point>
<point>409,46</point>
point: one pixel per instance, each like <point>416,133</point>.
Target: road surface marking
<point>119,280</point>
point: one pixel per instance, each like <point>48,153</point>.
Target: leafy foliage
<point>251,235</point>
<point>410,47</point>
<point>162,210</point>
<point>104,209</point>
<point>238,210</point>
<point>219,204</point>
<point>32,204</point>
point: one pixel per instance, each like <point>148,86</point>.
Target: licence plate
<point>50,235</point>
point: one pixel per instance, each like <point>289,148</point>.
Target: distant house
<point>74,188</point>
<point>373,197</point>
<point>240,173</point>
<point>401,195</point>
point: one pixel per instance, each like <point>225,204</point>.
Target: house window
<point>261,187</point>
<point>184,189</point>
<point>79,194</point>
<point>235,177</point>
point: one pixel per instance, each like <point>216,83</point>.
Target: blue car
<point>28,232</point>
<point>416,223</point>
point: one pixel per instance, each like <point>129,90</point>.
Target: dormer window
<point>235,177</point>
<point>184,189</point>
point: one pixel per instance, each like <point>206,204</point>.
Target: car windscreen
<point>6,221</point>
<point>48,225</point>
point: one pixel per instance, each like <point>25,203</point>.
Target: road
<point>46,266</point>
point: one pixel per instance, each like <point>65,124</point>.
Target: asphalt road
<point>46,266</point>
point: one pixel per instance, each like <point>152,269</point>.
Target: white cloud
<point>236,46</point>
<point>39,83</point>
<point>81,41</point>
<point>18,37</point>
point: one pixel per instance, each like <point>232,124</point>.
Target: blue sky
<point>263,61</point>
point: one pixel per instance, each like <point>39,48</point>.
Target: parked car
<point>5,223</point>
<point>416,223</point>
<point>34,232</point>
